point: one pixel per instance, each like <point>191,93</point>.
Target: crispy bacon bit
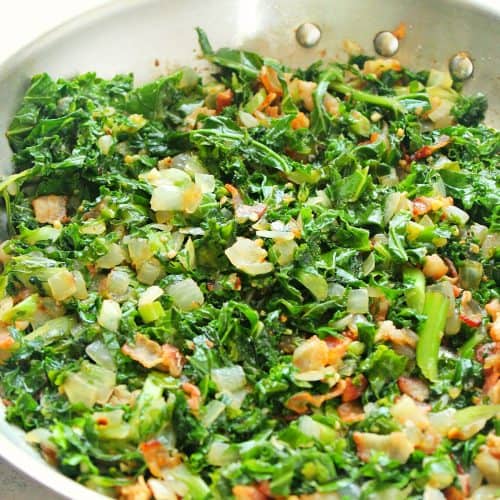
<point>248,492</point>
<point>350,412</point>
<point>6,341</point>
<point>337,347</point>
<point>311,355</point>
<point>488,459</point>
<point>269,99</point>
<point>421,206</point>
<point>194,394</point>
<point>242,211</point>
<point>414,387</point>
<point>273,111</point>
<point>401,337</point>
<point>269,79</point>
<point>453,493</point>
<point>379,66</point>
<point>493,308</point>
<point>396,445</point>
<point>157,457</point>
<point>223,100</point>
<point>172,360</point>
<point>136,491</point>
<point>300,121</point>
<point>354,390</point>
<point>150,354</point>
<point>426,151</point>
<point>299,403</point>
<point>50,208</point>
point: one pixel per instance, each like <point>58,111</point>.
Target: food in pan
<point>268,283</point>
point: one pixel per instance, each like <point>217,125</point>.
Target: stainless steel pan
<point>129,36</point>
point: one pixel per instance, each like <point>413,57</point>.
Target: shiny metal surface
<point>129,35</point>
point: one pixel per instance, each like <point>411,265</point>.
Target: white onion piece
<point>104,143</point>
<point>150,295</point>
<point>139,251</point>
<point>99,353</point>
<point>285,251</point>
<point>81,292</point>
<point>357,301</point>
<point>276,235</point>
<point>186,294</point>
<point>335,290</point>
<point>247,120</point>
<point>205,181</point>
<point>62,285</point>
<point>479,232</point>
<point>219,454</point>
<point>229,379</point>
<point>189,163</point>
<point>149,271</point>
<point>249,257</point>
<point>167,198</point>
<point>456,215</point>
<point>110,315</point>
<point>490,244</point>
<point>113,258</point>
<point>368,264</point>
<point>117,282</point>
<point>211,412</point>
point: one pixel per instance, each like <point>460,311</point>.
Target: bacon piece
<point>414,387</point>
<point>157,457</point>
<point>350,412</point>
<point>311,354</point>
<point>396,445</point>
<point>421,206</point>
<point>50,208</point>
<point>194,394</point>
<point>223,100</point>
<point>426,151</point>
<point>337,347</point>
<point>248,492</point>
<point>299,403</point>
<point>136,491</point>
<point>354,390</point>
<point>242,211</point>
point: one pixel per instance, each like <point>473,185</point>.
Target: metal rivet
<point>308,35</point>
<point>385,43</point>
<point>461,66</point>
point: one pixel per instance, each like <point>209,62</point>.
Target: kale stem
<point>414,279</point>
<point>359,95</point>
<point>431,332</point>
<point>14,177</point>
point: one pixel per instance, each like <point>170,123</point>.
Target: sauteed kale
<point>273,283</point>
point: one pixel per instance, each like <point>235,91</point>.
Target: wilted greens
<point>263,284</point>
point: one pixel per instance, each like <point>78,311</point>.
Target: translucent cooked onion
<point>220,454</point>
<point>357,301</point>
<point>206,182</point>
<point>149,271</point>
<point>167,198</point>
<point>109,315</point>
<point>139,251</point>
<point>81,292</point>
<point>62,285</point>
<point>188,162</point>
<point>247,120</point>
<point>249,257</point>
<point>456,215</point>
<point>99,353</point>
<point>211,412</point>
<point>113,258</point>
<point>104,143</point>
<point>117,283</point>
<point>150,295</point>
<point>229,379</point>
<point>186,294</point>
<point>285,251</point>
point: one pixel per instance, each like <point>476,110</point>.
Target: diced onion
<point>150,295</point>
<point>229,379</point>
<point>471,273</point>
<point>285,251</point>
<point>189,163</point>
<point>110,315</point>
<point>113,258</point>
<point>220,454</point>
<point>357,301</point>
<point>186,294</point>
<point>249,257</point>
<point>167,198</point>
<point>110,424</point>
<point>93,226</point>
<point>205,181</point>
<point>335,290</point>
<point>81,292</point>
<point>99,353</point>
<point>456,215</point>
<point>393,204</point>
<point>490,245</point>
<point>104,143</point>
<point>211,412</point>
<point>117,283</point>
<point>479,232</point>
<point>62,285</point>
<point>247,120</point>
<point>149,272</point>
<point>139,251</point>
<point>438,78</point>
<point>368,264</point>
